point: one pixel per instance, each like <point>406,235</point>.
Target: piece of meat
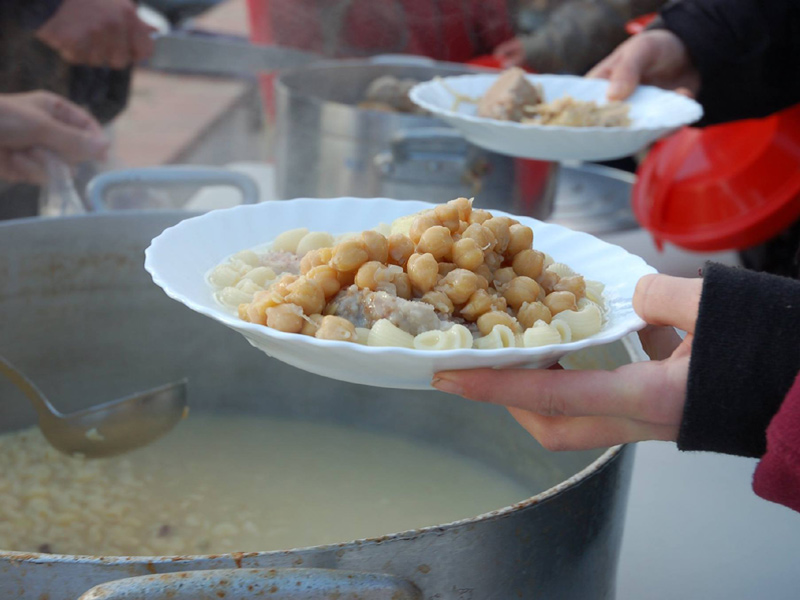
<point>508,95</point>
<point>363,308</point>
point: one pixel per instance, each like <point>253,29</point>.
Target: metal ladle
<point>107,429</point>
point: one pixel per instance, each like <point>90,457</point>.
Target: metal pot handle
<point>171,175</point>
<point>246,584</point>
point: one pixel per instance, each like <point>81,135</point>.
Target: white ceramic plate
<point>181,256</point>
<point>654,113</point>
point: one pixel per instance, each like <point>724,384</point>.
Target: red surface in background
<point>638,24</point>
<point>725,187</point>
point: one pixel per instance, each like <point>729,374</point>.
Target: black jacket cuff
<point>745,356</point>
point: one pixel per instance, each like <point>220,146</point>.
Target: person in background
<point>733,384</point>
<point>449,30</point>
<point>82,50</point>
<point>571,36</point>
<point>747,56</point>
<point>35,122</point>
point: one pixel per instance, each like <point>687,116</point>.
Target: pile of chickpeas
<point>463,261</point>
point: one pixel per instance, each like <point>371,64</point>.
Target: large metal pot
<point>83,319</point>
<point>326,146</point>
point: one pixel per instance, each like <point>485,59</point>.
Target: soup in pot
<point>237,483</point>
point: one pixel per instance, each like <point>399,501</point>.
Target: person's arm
<point>98,33</point>
<point>777,476</point>
<point>747,52</point>
<point>36,121</point>
<point>578,34</point>
<point>745,355</point>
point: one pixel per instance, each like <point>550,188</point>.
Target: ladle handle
<point>247,584</point>
<point>43,407</point>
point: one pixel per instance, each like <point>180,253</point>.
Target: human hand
<point>578,410</point>
<point>35,121</point>
<point>98,33</point>
<point>510,53</point>
<point>656,57</point>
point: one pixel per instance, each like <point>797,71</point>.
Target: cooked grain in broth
<point>228,483</point>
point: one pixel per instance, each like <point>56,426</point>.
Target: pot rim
<point>562,487</point>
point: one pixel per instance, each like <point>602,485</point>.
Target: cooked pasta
<point>563,329</point>
<point>314,241</point>
<point>594,292</point>
<point>386,333</point>
<point>500,336</point>
<point>541,334</point>
<point>289,240</point>
<point>454,338</point>
<point>582,323</point>
<point>560,269</point>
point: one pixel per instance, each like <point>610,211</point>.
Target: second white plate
<point>654,112</point>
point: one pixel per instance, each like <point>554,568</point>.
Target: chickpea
<point>400,248</point>
<point>377,246</point>
<point>483,236</point>
<point>402,284</point>
<point>286,317</point>
<point>500,228</point>
<point>467,254</point>
<point>574,284</point>
<point>327,279</point>
<point>421,224</point>
<point>464,207</point>
<point>487,321</point>
<point>485,272</point>
<point>520,238</point>
<point>311,325</point>
<point>315,258</point>
<point>560,301</point>
<point>479,216</point>
<point>366,276</point>
<point>548,280</point>
<point>346,278</point>
<point>520,290</point>
<point>530,312</point>
<point>446,267</point>
<point>502,277</point>
<point>437,240</point>
<point>480,303</point>
<point>336,328</point>
<point>448,216</point>
<point>423,272</point>
<point>349,255</point>
<point>459,285</point>
<point>493,260</point>
<point>528,263</point>
<point>281,287</point>
<point>439,300</point>
<point>307,294</point>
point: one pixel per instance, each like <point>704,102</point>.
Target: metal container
<point>81,317</point>
<point>326,146</point>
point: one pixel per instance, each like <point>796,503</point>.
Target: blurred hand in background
<point>34,122</point>
<point>510,53</point>
<point>98,33</point>
<point>656,57</point>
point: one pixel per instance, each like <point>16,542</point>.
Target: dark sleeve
<point>747,52</point>
<point>745,356</point>
<point>31,14</point>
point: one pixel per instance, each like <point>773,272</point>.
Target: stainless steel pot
<point>326,146</point>
<point>80,315</point>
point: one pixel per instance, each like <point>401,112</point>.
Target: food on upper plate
<point>508,96</point>
<point>514,98</point>
<point>390,94</point>
<point>445,278</point>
